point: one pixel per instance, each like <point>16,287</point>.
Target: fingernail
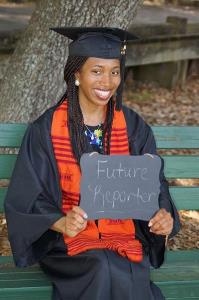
<point>150,223</point>
<point>85,216</point>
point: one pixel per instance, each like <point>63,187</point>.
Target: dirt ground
<point>160,106</point>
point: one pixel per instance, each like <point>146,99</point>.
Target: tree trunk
<point>34,77</point>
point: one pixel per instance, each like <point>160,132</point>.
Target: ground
<point>160,106</point>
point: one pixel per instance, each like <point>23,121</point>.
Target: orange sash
<point>117,235</point>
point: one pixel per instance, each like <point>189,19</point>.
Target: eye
<point>96,71</point>
<point>116,72</point>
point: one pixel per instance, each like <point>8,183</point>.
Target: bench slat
<point>170,137</point>
<point>178,278</point>
<point>22,282</point>
<point>181,257</point>
<point>7,162</point>
<point>180,290</point>
<point>173,272</point>
<point>31,293</point>
<point>176,137</point>
<point>178,257</point>
<point>188,291</point>
<point>2,197</point>
<point>184,197</point>
<point>11,134</point>
<point>181,166</point>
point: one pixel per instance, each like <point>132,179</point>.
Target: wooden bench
<point>178,277</point>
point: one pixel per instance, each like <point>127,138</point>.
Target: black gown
<point>33,203</point>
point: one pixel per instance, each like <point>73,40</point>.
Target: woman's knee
<point>100,264</point>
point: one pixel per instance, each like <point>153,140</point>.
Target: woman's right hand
<point>73,223</point>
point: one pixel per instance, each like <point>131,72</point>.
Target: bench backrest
<point>167,137</point>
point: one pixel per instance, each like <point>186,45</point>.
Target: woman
<point>85,259</point>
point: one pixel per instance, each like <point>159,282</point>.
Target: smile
<point>103,94</point>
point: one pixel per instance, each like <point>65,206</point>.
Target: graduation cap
<point>100,42</point>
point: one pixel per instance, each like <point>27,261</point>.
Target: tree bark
<point>34,78</point>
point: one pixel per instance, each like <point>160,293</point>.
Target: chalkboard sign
<point>120,186</point>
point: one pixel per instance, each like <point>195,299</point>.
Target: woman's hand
<point>161,223</point>
<point>73,223</point>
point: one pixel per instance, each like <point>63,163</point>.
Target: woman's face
<point>99,79</point>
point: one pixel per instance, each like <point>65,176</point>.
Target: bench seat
<point>178,278</point>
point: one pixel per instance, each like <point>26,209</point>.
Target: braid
<point>108,127</point>
<point>75,124</point>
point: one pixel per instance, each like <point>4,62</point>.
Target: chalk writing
<point>102,197</point>
<point>120,186</point>
<point>120,172</point>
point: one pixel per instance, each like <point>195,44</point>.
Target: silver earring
<point>77,82</point>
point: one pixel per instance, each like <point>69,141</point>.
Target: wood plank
<point>24,283</point>
<point>2,198</point>
<point>178,279</point>
<point>185,197</point>
<point>172,290</point>
<point>178,256</point>
<point>11,134</point>
<point>44,293</point>
<point>181,166</point>
<point>172,272</point>
<point>180,298</point>
<point>167,137</point>
<point>6,260</point>
<point>176,273</point>
<point>184,298</point>
<point>32,293</point>
<point>182,256</point>
<point>179,290</point>
<point>176,137</point>
<point>7,162</point>
<point>161,49</point>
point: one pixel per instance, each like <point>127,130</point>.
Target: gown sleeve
<point>31,204</point>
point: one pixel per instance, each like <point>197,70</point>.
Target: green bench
<point>178,277</point>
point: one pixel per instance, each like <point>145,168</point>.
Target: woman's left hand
<point>161,223</point>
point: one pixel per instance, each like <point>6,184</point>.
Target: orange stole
<point>116,235</point>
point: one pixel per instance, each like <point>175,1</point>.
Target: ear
<point>77,75</point>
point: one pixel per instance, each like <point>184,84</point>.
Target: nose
<point>106,80</point>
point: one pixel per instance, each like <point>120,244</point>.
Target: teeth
<point>102,94</point>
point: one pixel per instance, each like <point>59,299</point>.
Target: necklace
<point>95,136</point>
<point>93,133</point>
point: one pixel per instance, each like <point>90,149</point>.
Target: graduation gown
<point>33,201</point>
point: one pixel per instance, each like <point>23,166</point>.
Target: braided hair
<point>75,124</point>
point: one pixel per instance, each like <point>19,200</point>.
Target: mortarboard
<point>101,42</point>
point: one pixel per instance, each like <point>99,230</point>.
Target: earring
<point>77,83</point>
